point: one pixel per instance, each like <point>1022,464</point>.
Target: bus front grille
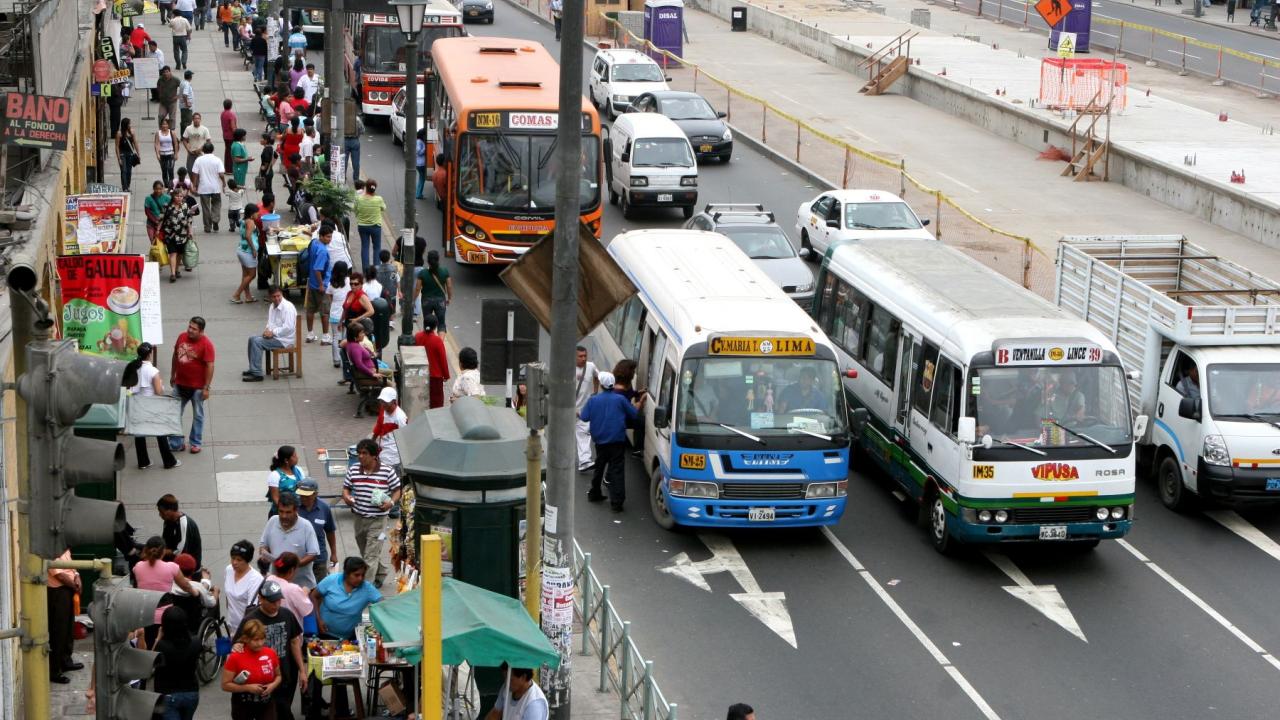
<point>1054,515</point>
<point>762,491</point>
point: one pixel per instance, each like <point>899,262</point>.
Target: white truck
<point>1203,335</point>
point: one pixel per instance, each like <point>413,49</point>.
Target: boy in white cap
<point>391,417</point>
<point>608,412</point>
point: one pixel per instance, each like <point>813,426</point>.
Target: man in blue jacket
<point>608,412</point>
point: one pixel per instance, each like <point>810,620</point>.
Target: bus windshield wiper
<point>811,433</point>
<point>1079,434</point>
<point>744,434</point>
<point>1028,448</point>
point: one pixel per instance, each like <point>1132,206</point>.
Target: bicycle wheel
<point>209,662</point>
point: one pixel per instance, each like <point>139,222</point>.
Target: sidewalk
<point>1215,14</point>
<point>222,487</point>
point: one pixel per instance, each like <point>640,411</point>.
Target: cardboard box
<point>392,698</point>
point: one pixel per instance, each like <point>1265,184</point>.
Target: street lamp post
<point>410,13</point>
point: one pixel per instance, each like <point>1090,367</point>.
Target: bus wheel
<point>1173,493</point>
<point>939,530</point>
<point>658,502</point>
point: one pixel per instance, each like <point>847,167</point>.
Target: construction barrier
<point>1076,83</point>
<point>844,165</point>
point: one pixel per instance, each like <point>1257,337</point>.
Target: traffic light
<point>59,386</point>
<point>117,611</point>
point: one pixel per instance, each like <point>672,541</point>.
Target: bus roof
<point>957,299</point>
<point>700,283</point>
<point>493,72</point>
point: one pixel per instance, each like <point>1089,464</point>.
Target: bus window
<point>926,374</point>
<point>655,361</point>
<point>632,324</point>
<point>850,314</point>
<point>613,323</point>
<point>519,172</point>
<point>768,397</point>
<point>946,397</point>
<point>668,386</point>
<point>881,353</point>
<point>826,303</point>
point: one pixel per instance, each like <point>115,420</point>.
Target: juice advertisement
<point>102,303</point>
<point>95,223</point>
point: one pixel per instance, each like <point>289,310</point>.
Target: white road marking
<point>1232,521</point>
<point>1204,606</point>
<point>1179,52</point>
<point>769,608</point>
<point>1045,599</point>
<point>913,628</point>
<point>966,186</point>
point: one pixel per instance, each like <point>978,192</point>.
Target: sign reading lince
<point>40,121</point>
<point>760,346</point>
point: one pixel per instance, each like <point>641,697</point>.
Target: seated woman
<point>359,355</point>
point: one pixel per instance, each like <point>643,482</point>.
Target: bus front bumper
<point>1076,532</point>
<point>469,251</point>
<point>701,512</point>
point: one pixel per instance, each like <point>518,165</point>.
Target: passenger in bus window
<point>1067,402</point>
<point>803,394</point>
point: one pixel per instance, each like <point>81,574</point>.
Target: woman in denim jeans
<point>175,676</point>
<point>368,210</point>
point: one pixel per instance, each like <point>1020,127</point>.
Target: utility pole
<point>561,451</point>
<point>411,26</point>
<point>336,87</point>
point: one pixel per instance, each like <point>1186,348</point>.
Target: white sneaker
<point>311,337</point>
<point>391,324</point>
<point>325,339</point>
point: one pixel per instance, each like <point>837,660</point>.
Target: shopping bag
<point>191,254</point>
<point>153,415</point>
<point>159,253</point>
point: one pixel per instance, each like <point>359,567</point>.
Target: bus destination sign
<point>723,345</point>
<point>1048,354</point>
<point>520,120</point>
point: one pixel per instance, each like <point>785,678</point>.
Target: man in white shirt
<point>194,138</point>
<point>181,28</point>
<point>391,417</point>
<point>186,99</point>
<point>281,332</point>
<point>310,83</point>
<point>206,173</point>
<point>586,384</point>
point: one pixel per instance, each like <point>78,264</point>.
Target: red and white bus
<point>375,53</point>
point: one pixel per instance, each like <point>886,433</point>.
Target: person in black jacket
<point>175,675</point>
<point>180,532</point>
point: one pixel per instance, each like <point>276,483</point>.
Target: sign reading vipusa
<point>41,121</point>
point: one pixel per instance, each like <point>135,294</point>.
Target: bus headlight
<point>692,489</point>
<point>639,181</point>
<point>1102,513</point>
<point>1215,451</point>
<point>826,490</point>
<point>1002,516</point>
<point>984,516</point>
<point>1117,513</point>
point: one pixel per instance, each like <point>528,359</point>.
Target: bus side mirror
<point>1189,408</point>
<point>967,430</point>
<point>660,418</point>
<point>1140,427</point>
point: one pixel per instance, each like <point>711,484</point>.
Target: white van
<point>651,164</point>
<point>619,75</point>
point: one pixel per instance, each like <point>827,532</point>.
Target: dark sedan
<point>706,129</point>
<point>477,11</point>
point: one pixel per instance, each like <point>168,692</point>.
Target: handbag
<point>159,253</point>
<point>191,254</point>
<point>153,415</point>
<point>260,183</point>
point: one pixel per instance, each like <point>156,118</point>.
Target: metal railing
<point>606,636</point>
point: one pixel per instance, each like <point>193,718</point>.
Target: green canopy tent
<point>481,627</point>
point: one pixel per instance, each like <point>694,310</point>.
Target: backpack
<point>304,264</point>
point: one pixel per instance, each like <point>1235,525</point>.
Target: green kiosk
<point>465,464</point>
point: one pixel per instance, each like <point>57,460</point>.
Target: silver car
<point>752,228</point>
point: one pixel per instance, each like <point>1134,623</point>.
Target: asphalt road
<point>1168,51</point>
<point>1176,622</point>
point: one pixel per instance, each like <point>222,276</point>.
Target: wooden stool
<point>292,355</point>
<point>340,685</point>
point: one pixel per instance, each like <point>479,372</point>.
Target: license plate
<point>1273,484</point>
<point>665,197</point>
<point>764,514</point>
<point>1053,532</point>
<point>473,13</point>
<point>704,148</point>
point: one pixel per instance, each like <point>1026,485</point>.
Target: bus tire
<point>658,502</point>
<point>939,525</point>
<point>1173,493</point>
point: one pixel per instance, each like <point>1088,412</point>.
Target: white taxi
<point>619,76</point>
<point>855,215</point>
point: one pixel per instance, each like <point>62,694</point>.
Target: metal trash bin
<point>738,18</point>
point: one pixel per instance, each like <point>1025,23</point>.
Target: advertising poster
<point>102,303</point>
<point>95,223</point>
<point>446,548</point>
<point>557,597</point>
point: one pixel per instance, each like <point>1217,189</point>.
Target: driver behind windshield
<point>803,394</point>
<point>1067,402</point>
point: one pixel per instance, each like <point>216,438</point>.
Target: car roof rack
<point>718,210</point>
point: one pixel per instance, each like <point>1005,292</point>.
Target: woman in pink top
<point>152,572</point>
<point>295,596</point>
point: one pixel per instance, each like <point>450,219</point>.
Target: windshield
<point>398,102</point>
<point>661,152</point>
<point>687,108</point>
<point>765,398</point>
<point>517,173</point>
<point>1023,404</point>
<point>760,243</point>
<point>384,47</point>
<point>1244,389</point>
<point>879,216</point>
<point>637,72</point>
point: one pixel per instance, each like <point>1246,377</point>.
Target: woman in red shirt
<point>251,675</point>
<point>291,142</point>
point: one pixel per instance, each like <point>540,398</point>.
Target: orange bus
<point>374,49</point>
<point>495,109</point>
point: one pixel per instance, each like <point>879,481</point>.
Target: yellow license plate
<point>693,461</point>
<point>704,148</point>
